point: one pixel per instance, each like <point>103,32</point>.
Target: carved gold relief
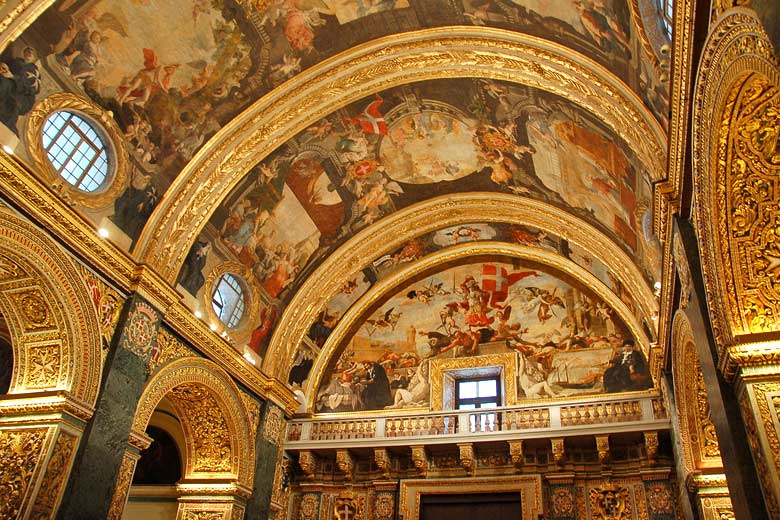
<point>33,309</point>
<point>516,453</point>
<point>466,456</point>
<point>610,502</point>
<point>57,472</point>
<point>203,515</point>
<point>168,348</point>
<point>762,457</point>
<point>419,459</point>
<point>602,446</point>
<point>10,270</point>
<point>20,452</point>
<point>308,463</point>
<point>736,164</point>
<point>274,427</point>
<point>345,506</point>
<point>345,462</point>
<point>558,450</point>
<point>382,461</point>
<point>123,481</point>
<point>43,366</point>
<point>118,158</point>
<point>439,367</point>
<point>651,445</point>
<point>203,417</point>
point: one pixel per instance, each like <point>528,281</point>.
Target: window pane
<point>467,407</point>
<point>487,388</point>
<point>71,143</point>
<point>467,389</point>
<point>489,405</point>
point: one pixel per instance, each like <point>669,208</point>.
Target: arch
<point>53,323</point>
<point>428,216</point>
<point>735,178</point>
<point>447,257</point>
<point>369,68</point>
<point>698,439</point>
<point>216,430</point>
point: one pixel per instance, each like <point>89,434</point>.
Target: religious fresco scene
<point>172,81</point>
<point>406,145</point>
<point>568,341</point>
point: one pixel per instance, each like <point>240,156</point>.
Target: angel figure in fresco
<point>499,151</point>
<point>149,80</point>
<point>79,48</point>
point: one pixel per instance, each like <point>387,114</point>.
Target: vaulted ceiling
<point>354,163</point>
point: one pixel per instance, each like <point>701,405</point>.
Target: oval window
<point>76,150</point>
<point>228,300</point>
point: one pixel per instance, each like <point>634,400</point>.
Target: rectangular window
<point>477,393</point>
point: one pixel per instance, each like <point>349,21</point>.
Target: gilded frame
<point>104,125</point>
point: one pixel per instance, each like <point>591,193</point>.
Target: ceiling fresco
<point>569,342</point>
<point>412,143</point>
<point>174,72</point>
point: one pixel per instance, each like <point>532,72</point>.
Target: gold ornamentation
<point>372,67</point>
<point>610,502</point>
<point>761,458</point>
<point>345,507</point>
<point>602,446</point>
<point>683,271</point>
<point>169,348</point>
<point>43,366</point>
<point>140,330</point>
<point>307,462</point>
<point>382,461</point>
<point>558,451</point>
<point>734,155</point>
<point>384,506</point>
<point>203,515</point>
<point>217,429</point>
<point>651,445</point>
<point>20,453</point>
<point>253,414</point>
<point>206,423</point>
<point>466,456</point>
<point>113,139</point>
<point>440,367</point>
<point>18,18</point>
<point>274,427</point>
<point>10,270</point>
<point>122,488</point>
<point>516,453</point>
<point>251,294</point>
<point>57,472</point>
<point>659,498</point>
<point>34,310</point>
<point>345,463</point>
<point>419,459</point>
<point>310,506</point>
<point>562,501</point>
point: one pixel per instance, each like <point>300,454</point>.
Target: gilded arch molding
<point>447,52</point>
<point>700,449</point>
<point>54,325</point>
<point>736,161</point>
<point>214,418</point>
<point>447,257</point>
<point>19,17</point>
<point>428,216</point>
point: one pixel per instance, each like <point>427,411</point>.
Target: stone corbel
<point>345,463</point>
<point>466,450</point>
<point>420,459</point>
<point>516,453</point>
<point>602,445</point>
<point>558,451</point>
<point>651,445</point>
<point>382,461</point>
<point>308,463</point>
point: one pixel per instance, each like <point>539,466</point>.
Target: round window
<point>228,300</point>
<point>76,150</point>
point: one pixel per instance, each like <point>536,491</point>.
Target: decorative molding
<point>651,446</point>
<point>602,446</point>
<point>382,461</point>
<point>466,457</point>
<point>123,482</point>
<point>168,348</point>
<point>57,472</point>
<point>558,450</point>
<point>735,171</point>
<point>345,463</point>
<point>307,462</point>
<point>436,53</point>
<point>419,459</point>
<point>21,451</point>
<point>610,502</point>
<point>217,429</point>
<point>516,453</point>
<point>19,18</point>
<point>275,425</point>
<point>105,126</point>
<point>439,369</point>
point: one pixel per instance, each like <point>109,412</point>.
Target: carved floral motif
<point>43,366</point>
<point>20,452</point>
<point>610,502</point>
<point>53,482</point>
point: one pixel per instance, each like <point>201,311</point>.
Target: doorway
<point>496,506</point>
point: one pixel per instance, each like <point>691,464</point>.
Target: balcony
<point>530,421</point>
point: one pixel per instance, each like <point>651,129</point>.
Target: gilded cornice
<point>19,18</point>
<point>449,256</point>
<point>667,193</point>
<point>428,216</point>
<point>446,52</point>
<point>735,58</point>
<point>39,404</point>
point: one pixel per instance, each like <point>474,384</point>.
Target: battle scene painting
<point>567,340</point>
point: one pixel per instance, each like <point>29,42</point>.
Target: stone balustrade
<point>534,420</point>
